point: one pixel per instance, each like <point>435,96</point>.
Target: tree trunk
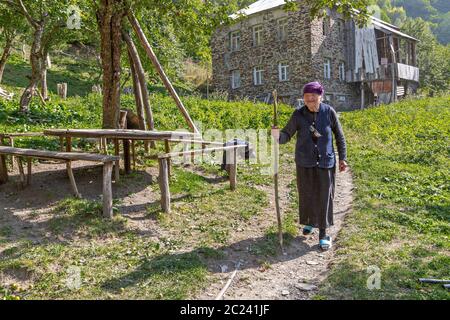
<point>142,82</point>
<point>110,15</point>
<point>43,75</point>
<point>36,61</point>
<point>5,56</point>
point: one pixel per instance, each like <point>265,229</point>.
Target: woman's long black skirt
<point>316,193</point>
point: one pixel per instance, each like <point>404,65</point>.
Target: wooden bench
<point>68,158</point>
<point>17,135</point>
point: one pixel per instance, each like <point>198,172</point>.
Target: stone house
<point>268,48</point>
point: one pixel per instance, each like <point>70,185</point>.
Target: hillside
<point>437,12</point>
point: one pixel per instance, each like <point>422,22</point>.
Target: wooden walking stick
<point>275,166</point>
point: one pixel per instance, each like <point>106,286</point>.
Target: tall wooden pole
<point>137,94</point>
<point>275,175</point>
<point>148,49</point>
<point>139,70</point>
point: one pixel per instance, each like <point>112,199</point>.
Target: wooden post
<point>62,90</point>
<point>393,67</point>
<point>61,143</point>
<point>117,163</point>
<point>164,184</point>
<point>73,184</point>
<point>137,67</point>
<point>22,175</point>
<point>69,144</point>
<point>167,149</point>
<point>104,146</point>
<point>126,156</point>
<point>185,156</point>
<point>137,94</point>
<point>107,190</point>
<point>99,144</point>
<point>3,169</point>
<point>233,171</point>
<point>13,159</point>
<point>123,119</point>
<point>29,162</point>
<point>133,152</point>
<point>275,170</point>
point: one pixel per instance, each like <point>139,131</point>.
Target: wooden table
<point>121,134</point>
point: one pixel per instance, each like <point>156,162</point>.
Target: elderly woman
<point>315,160</point>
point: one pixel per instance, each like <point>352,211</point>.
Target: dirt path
<point>298,273</point>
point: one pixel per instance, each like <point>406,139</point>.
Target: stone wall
<point>304,50</point>
<point>332,46</point>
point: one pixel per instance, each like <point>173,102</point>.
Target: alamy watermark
<point>74,17</point>
<point>256,146</point>
<point>73,279</point>
<point>374,279</point>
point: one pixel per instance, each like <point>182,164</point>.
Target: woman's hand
<point>275,133</point>
<point>342,165</point>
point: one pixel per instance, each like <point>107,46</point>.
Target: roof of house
<point>263,5</point>
<point>259,6</point>
<point>386,27</point>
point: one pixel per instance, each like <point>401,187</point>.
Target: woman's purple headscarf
<point>313,87</point>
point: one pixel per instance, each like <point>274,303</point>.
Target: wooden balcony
<point>384,72</point>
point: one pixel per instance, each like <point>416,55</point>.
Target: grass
<point>83,218</point>
<point>400,220</point>
<point>399,155</point>
<point>80,75</point>
<point>208,213</point>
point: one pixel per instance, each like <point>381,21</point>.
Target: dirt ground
<point>295,275</point>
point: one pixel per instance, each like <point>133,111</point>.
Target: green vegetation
<point>399,155</point>
<point>435,12</point>
<point>400,223</point>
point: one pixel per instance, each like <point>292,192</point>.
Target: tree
<point>46,19</point>
<point>432,57</point>
<point>11,26</point>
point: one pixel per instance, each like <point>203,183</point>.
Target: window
<point>258,76</point>
<point>235,39</point>
<point>235,79</point>
<point>341,98</point>
<point>342,71</point>
<point>282,29</point>
<point>283,71</point>
<point>327,69</point>
<point>257,35</point>
<point>325,25</point>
